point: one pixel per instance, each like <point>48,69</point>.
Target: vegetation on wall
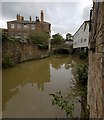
<point>7,62</point>
<point>4,37</point>
<point>83,54</point>
<point>40,39</point>
<point>80,72</point>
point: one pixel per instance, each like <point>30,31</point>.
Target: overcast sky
<point>64,16</point>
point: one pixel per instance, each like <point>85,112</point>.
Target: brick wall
<point>96,62</point>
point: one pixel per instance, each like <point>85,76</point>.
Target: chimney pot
<point>18,16</point>
<point>30,18</point>
<point>42,16</point>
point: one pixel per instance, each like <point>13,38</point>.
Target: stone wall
<point>96,62</point>
<point>20,52</point>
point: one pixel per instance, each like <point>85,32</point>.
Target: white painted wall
<point>81,37</point>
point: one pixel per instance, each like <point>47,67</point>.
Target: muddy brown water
<point>27,86</point>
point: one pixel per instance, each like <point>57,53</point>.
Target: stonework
<point>20,28</point>
<point>95,96</point>
<point>19,52</point>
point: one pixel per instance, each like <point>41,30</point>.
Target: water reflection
<point>22,75</point>
<point>26,87</point>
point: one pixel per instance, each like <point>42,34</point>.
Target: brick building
<point>96,61</point>
<point>20,28</point>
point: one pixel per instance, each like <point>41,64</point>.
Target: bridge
<point>65,48</point>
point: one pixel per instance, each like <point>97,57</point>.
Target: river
<point>26,87</point>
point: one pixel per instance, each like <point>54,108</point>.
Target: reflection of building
<point>21,28</point>
<point>81,37</point>
<point>40,86</point>
<point>35,75</point>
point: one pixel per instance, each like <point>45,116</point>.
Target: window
<point>12,26</point>
<point>33,27</point>
<point>26,26</point>
<point>18,26</point>
<point>75,43</point>
<point>84,40</point>
<point>81,40</point>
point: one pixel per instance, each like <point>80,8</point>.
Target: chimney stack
<point>18,16</point>
<point>42,16</point>
<point>22,18</point>
<point>30,18</point>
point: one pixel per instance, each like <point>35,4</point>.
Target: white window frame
<point>19,26</point>
<point>26,26</point>
<point>12,25</point>
<point>33,27</point>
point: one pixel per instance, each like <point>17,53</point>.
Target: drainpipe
<point>49,46</point>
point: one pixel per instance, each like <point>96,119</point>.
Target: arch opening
<point>61,51</point>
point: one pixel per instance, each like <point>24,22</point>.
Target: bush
<point>81,71</point>
<point>63,103</point>
<point>5,37</point>
<point>57,39</point>
<point>83,54</point>
<point>40,39</point>
<point>7,62</point>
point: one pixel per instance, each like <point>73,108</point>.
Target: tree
<point>69,37</point>
<point>57,39</point>
<point>40,39</point>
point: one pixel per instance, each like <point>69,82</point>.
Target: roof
<point>25,21</point>
<point>47,23</point>
<point>22,21</point>
<point>82,25</point>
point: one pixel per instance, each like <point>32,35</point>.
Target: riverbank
<point>15,52</point>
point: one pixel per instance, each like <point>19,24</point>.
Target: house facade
<point>20,28</point>
<point>81,37</point>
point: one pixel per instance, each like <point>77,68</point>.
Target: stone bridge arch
<point>65,49</point>
<point>61,51</point>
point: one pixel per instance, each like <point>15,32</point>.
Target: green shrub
<point>4,37</point>
<point>63,103</point>
<point>57,39</point>
<point>40,39</point>
<point>7,62</point>
<point>83,54</point>
<point>81,71</point>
